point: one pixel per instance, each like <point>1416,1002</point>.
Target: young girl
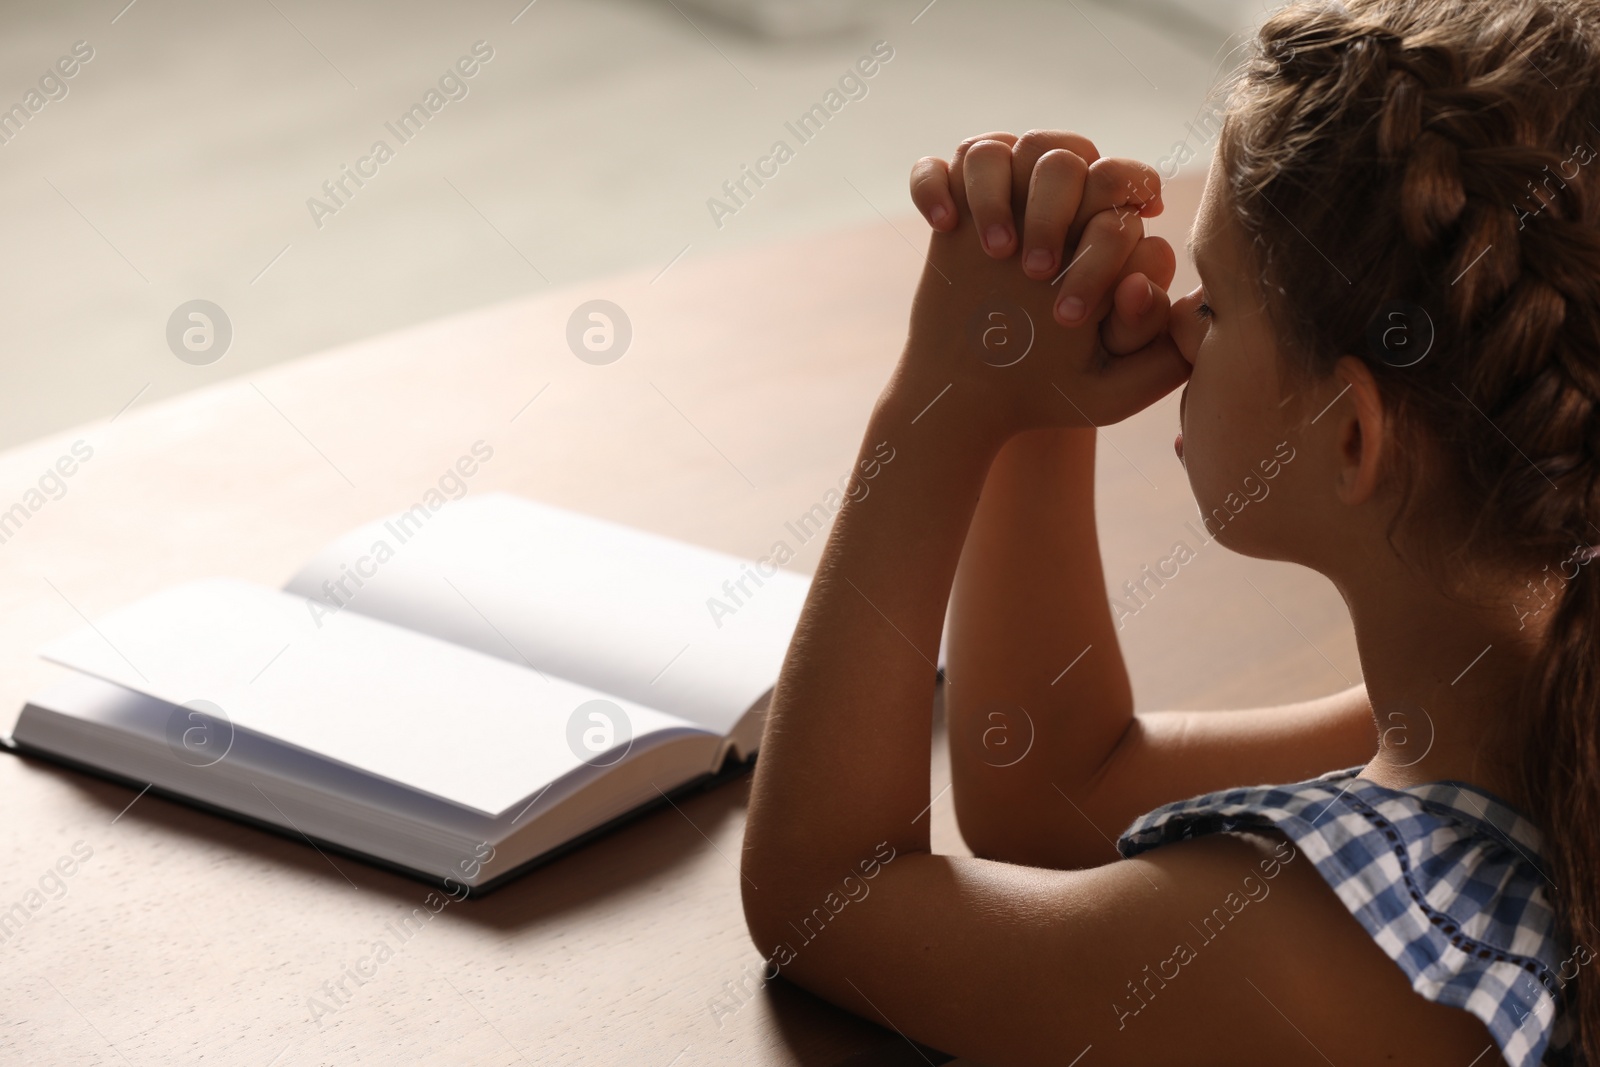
<point>1399,249</point>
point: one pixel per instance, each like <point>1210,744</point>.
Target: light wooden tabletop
<point>736,407</point>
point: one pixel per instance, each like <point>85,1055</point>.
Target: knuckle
<point>1104,225</point>
<point>1133,178</point>
<point>1115,228</point>
<point>1061,162</point>
<point>1049,218</point>
<point>928,180</point>
<point>998,137</point>
<point>1036,141</point>
<point>1042,229</point>
<point>1104,172</point>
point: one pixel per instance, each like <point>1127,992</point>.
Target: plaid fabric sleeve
<point>1445,877</point>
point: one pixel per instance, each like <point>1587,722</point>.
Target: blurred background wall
<point>186,155</point>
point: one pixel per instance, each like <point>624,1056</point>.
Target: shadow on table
<point>644,850</point>
<point>802,1018</point>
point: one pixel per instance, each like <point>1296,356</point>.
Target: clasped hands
<point>1071,332</point>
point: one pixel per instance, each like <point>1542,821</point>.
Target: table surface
<point>737,406</point>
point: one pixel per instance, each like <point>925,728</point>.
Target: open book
<point>457,694</point>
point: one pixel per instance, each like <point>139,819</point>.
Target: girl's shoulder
<point>1445,877</point>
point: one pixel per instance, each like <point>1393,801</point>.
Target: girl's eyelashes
<point>1203,311</point>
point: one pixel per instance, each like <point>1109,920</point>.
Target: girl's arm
<point>1009,964</point>
<point>1041,694</point>
<point>1050,763</point>
<point>869,633</point>
<point>1049,759</point>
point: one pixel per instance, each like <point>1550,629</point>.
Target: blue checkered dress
<point>1444,876</point>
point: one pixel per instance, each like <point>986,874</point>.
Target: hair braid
<point>1443,152</point>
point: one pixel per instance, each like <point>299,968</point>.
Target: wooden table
<point>737,406</point>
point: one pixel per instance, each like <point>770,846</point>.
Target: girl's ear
<point>1361,432</point>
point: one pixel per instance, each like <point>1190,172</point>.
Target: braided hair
<point>1432,165</point>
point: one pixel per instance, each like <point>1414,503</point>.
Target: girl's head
<point>1407,190</point>
<point>1402,233</point>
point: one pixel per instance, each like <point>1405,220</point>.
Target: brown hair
<point>1429,165</point>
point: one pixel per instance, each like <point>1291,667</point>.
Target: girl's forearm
<point>846,748</point>
<point>1040,692</point>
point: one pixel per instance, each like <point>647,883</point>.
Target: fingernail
<point>1040,260</point>
<point>995,237</point>
<point>1071,308</point>
<point>938,214</point>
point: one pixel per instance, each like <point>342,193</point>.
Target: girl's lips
<point>1177,445</point>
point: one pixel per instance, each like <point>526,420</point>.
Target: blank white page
<point>448,721</point>
<point>625,611</point>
